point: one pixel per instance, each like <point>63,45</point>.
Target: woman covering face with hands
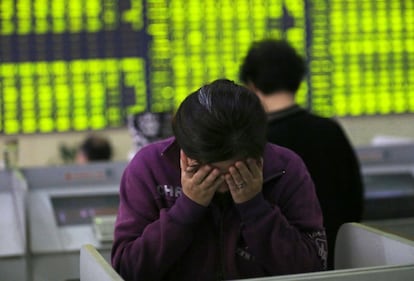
<point>217,202</point>
<point>243,179</point>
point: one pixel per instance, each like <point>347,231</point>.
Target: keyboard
<point>104,228</point>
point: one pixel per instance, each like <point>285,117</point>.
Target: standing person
<point>274,71</point>
<point>216,201</point>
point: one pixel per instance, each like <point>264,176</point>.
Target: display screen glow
<point>362,57</point>
<point>75,65</point>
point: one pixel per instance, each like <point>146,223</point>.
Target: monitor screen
<point>81,209</point>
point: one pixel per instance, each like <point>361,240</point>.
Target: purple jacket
<point>161,234</point>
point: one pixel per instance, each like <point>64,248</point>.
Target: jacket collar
<point>280,114</point>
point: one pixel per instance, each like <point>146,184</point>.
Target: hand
<point>245,179</point>
<point>199,183</point>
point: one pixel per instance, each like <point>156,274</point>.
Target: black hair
<point>273,65</point>
<point>96,148</point>
<point>219,122</point>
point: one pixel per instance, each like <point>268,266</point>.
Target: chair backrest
<point>93,266</point>
<point>359,245</point>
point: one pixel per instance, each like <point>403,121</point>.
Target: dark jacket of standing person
<point>217,202</point>
<point>274,71</point>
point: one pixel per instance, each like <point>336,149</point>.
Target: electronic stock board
<point>75,65</point>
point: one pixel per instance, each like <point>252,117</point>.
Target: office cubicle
<point>363,253</point>
<point>66,206</point>
<point>388,174</point>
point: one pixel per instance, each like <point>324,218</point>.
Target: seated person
<point>94,148</point>
<point>216,201</point>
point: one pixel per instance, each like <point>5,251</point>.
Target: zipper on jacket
<point>275,176</point>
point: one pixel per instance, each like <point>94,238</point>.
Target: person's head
<point>272,66</point>
<point>219,122</point>
<point>94,148</point>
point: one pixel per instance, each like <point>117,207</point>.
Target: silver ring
<point>240,185</point>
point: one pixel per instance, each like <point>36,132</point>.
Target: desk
<point>62,204</point>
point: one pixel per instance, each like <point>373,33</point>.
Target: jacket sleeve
<point>286,236</point>
<point>147,238</point>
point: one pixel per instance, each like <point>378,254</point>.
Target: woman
<point>216,201</point>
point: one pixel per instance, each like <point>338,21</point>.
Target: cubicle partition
<point>69,206</point>
<point>359,245</point>
<point>363,253</point>
<point>94,267</point>
<point>13,246</point>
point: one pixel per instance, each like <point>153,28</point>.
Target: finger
<point>217,182</point>
<point>201,174</point>
<point>188,165</point>
<point>241,173</point>
<point>235,176</point>
<point>183,161</point>
<point>211,178</point>
<point>255,167</point>
<point>192,169</point>
<point>234,187</point>
<point>230,182</point>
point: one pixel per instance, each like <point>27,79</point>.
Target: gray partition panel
<point>93,266</point>
<point>13,248</point>
<point>359,245</point>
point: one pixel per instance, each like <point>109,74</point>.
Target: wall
<point>361,130</point>
<point>43,149</point>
